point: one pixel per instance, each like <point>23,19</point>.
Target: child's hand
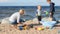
<point>50,13</point>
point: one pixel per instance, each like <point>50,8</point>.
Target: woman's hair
<point>21,10</point>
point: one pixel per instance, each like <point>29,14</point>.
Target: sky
<point>27,2</point>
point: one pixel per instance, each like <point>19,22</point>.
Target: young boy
<point>39,13</point>
<point>52,8</point>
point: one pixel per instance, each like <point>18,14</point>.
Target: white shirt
<point>39,12</point>
<point>15,16</point>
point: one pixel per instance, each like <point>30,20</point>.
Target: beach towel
<point>47,22</point>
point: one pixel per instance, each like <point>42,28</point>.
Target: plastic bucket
<point>20,27</point>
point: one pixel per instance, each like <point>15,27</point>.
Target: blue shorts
<point>15,22</point>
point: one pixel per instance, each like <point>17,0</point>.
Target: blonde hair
<point>21,10</point>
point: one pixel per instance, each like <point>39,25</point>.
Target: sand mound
<point>5,21</point>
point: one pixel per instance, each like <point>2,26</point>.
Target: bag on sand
<point>47,23</point>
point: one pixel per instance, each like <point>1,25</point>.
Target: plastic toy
<point>20,27</point>
<point>25,27</point>
<point>39,28</point>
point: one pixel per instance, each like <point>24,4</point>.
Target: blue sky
<point>27,2</point>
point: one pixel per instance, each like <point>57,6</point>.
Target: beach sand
<point>8,29</point>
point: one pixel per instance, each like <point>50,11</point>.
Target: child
<point>52,8</point>
<point>39,13</point>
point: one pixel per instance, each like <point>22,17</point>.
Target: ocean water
<point>7,11</point>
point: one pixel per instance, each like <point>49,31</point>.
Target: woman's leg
<point>14,24</point>
<point>21,20</point>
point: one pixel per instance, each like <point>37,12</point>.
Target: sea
<point>7,11</point>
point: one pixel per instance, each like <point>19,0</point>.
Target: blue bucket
<point>20,27</point>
